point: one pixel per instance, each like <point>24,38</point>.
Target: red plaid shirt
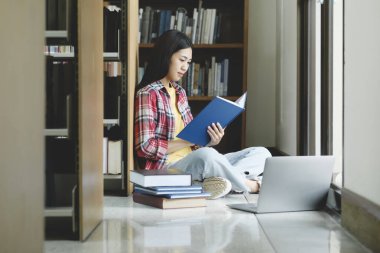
<point>154,123</point>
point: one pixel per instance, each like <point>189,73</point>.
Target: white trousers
<point>236,167</point>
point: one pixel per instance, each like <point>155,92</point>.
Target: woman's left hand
<point>216,133</point>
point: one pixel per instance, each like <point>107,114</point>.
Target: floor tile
<point>307,232</point>
<point>132,227</point>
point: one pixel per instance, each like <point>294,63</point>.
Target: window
<point>320,99</point>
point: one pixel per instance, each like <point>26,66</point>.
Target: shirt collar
<point>159,85</point>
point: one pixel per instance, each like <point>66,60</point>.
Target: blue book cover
<point>162,19</point>
<point>164,193</point>
<point>176,188</point>
<point>178,196</point>
<point>168,16</point>
<point>186,196</point>
<point>218,110</point>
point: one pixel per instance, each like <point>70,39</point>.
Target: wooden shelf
<point>56,132</point>
<point>210,46</point>
<point>110,176</point>
<point>61,55</point>
<point>111,56</point>
<point>59,211</point>
<point>110,121</point>
<point>56,34</point>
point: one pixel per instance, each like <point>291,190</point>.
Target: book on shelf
<point>112,25</point>
<point>112,69</point>
<point>163,177</point>
<point>219,110</point>
<point>112,94</point>
<point>59,88</point>
<point>165,203</point>
<point>205,78</point>
<point>56,14</point>
<point>114,157</point>
<point>105,155</point>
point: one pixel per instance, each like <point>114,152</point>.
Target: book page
<point>241,101</point>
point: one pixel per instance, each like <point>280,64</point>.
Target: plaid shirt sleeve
<point>147,142</point>
<point>183,107</point>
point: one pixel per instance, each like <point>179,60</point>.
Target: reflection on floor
<point>130,227</point>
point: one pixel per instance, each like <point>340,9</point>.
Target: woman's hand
<point>216,133</point>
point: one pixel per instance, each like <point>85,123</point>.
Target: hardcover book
<point>173,194</point>
<point>178,195</point>
<point>165,203</point>
<point>176,188</point>
<point>114,157</point>
<point>163,177</point>
<point>153,192</point>
<point>218,110</point>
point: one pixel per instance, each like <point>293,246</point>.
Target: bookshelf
<point>115,96</point>
<point>223,36</point>
<point>73,120</point>
<point>61,140</point>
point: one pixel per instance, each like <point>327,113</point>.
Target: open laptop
<point>292,183</point>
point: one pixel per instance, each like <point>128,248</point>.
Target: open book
<point>218,110</point>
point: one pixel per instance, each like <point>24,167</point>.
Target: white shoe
<point>217,187</point>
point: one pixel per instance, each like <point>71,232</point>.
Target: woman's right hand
<point>216,133</point>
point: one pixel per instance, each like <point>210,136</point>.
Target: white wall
<point>286,113</point>
<point>261,76</point>
<point>272,75</point>
<point>361,98</point>
<point>361,86</point>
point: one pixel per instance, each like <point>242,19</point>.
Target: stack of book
<point>166,189</point>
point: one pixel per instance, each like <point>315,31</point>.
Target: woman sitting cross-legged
<point>162,111</point>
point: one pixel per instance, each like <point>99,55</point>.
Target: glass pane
<point>338,91</point>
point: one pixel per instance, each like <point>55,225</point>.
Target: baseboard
<point>361,218</point>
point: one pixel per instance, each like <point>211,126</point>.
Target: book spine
<point>145,24</point>
<point>114,157</point>
<point>150,27</point>
<point>212,26</point>
<point>168,17</point>
<point>195,24</point>
<point>161,25</point>
<point>140,24</point>
<point>198,36</point>
<point>164,203</point>
<point>225,84</point>
<point>105,155</point>
<point>147,200</point>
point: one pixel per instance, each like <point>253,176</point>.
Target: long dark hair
<point>166,45</point>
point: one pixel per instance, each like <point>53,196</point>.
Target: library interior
<point>297,79</point>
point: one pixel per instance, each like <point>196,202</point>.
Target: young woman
<point>162,111</point>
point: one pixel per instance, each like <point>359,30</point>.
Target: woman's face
<point>179,64</point>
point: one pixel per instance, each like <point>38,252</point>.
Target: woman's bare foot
<point>253,185</point>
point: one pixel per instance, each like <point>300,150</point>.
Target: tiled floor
<point>130,227</point>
